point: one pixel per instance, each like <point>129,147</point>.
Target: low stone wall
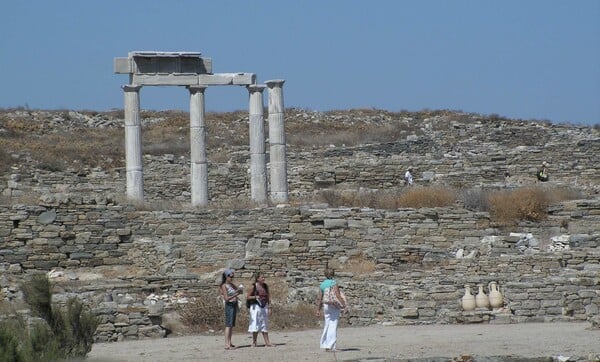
<point>397,266</point>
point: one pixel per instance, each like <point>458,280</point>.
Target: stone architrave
<point>156,68</point>
<point>258,163</point>
<point>198,160</point>
<point>279,187</point>
<point>133,143</point>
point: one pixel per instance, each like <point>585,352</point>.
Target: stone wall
<point>401,266</point>
<point>397,266</point>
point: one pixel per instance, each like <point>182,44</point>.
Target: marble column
<point>198,161</point>
<point>279,187</point>
<point>133,144</point>
<point>258,163</point>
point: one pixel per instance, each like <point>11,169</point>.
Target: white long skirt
<point>329,336</point>
<point>259,318</point>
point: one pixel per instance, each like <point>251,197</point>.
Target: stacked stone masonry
<point>404,266</point>
<point>120,257</point>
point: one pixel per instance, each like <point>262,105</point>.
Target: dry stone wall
<point>400,266</point>
<point>397,266</point>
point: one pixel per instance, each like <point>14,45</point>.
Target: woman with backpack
<point>333,302</point>
<point>258,302</point>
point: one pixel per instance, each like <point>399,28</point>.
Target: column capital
<point>131,87</point>
<point>196,88</point>
<point>256,87</point>
<point>275,83</point>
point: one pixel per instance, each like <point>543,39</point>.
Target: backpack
<point>249,302</point>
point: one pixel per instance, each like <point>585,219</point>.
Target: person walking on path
<point>408,177</point>
<point>230,293</point>
<point>331,311</point>
<point>258,300</point>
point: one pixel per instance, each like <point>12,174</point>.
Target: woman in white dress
<point>258,300</point>
<point>331,312</point>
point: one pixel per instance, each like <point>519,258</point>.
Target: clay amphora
<point>496,298</point>
<point>468,300</point>
<point>481,300</point>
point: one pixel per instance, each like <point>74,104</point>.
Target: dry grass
<point>417,197</point>
<point>207,314</point>
<point>524,204</point>
<point>414,197</point>
<point>527,204</point>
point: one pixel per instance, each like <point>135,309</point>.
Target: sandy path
<point>374,342</point>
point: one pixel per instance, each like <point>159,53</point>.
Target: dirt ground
<point>369,343</point>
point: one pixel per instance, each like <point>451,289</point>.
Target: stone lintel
<point>227,79</point>
<point>165,79</point>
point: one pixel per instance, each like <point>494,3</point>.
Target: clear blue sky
<point>529,59</point>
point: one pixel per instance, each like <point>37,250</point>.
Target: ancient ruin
<point>189,69</point>
<point>134,265</point>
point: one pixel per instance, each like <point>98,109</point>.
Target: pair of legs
<point>259,322</point>
<point>329,336</point>
<point>230,314</point>
<point>265,337</point>
<point>228,334</point>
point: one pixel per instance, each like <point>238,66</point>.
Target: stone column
<point>279,188</point>
<point>258,163</point>
<point>133,144</point>
<point>198,161</point>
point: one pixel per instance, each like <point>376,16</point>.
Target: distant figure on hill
<point>542,174</point>
<point>408,177</point>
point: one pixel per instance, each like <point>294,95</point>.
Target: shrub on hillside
<point>524,204</point>
<point>414,197</point>
<point>417,197</point>
<point>64,332</point>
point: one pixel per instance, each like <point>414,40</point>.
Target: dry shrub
<point>527,204</point>
<point>203,315</point>
<point>510,207</point>
<point>295,316</point>
<point>417,197</point>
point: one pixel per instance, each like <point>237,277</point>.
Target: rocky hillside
<point>84,151</point>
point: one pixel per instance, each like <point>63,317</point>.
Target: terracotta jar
<point>496,298</point>
<point>481,299</point>
<point>468,300</point>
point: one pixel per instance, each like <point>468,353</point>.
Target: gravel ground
<point>391,343</point>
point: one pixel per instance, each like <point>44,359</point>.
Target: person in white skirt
<point>331,311</point>
<point>258,301</point>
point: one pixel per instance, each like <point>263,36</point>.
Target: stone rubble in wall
<point>416,259</point>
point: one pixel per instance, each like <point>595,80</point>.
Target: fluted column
<point>133,144</point>
<point>198,161</point>
<point>279,187</point>
<point>258,163</point>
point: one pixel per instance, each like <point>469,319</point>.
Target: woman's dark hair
<point>329,273</point>
<point>223,278</point>
<point>256,276</point>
